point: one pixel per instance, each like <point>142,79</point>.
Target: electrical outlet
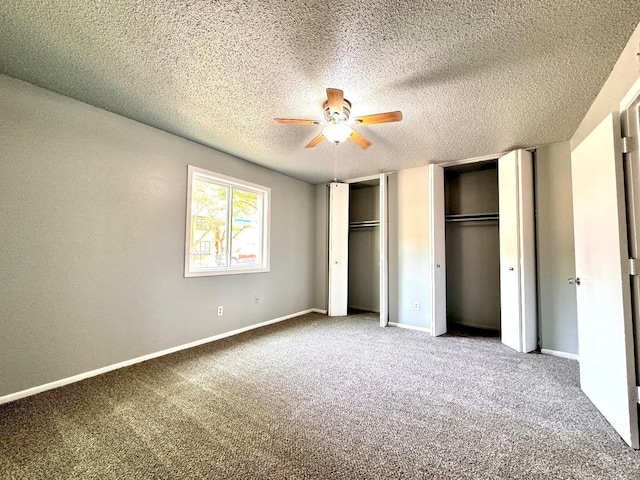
<point>220,311</point>
<point>255,299</point>
<point>416,305</point>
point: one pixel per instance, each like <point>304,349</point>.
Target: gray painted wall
<point>473,274</point>
<point>409,247</point>
<point>556,262</point>
<point>364,249</point>
<point>364,203</point>
<point>92,208</point>
<point>473,248</point>
<point>470,191</point>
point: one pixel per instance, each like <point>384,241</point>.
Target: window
<point>227,225</point>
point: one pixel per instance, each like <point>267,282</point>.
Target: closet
<point>472,243</point>
<point>364,246</point>
<point>358,277</point>
<point>474,279</point>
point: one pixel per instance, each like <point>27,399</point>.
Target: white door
<point>384,276</point>
<point>438,256</point>
<point>607,370</point>
<point>518,312</point>
<point>338,248</point>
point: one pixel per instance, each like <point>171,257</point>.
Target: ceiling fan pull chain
<point>335,162</point>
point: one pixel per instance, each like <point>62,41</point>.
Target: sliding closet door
<point>438,257</point>
<point>518,315</point>
<point>338,248</point>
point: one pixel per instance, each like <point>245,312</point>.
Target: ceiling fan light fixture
<point>336,132</point>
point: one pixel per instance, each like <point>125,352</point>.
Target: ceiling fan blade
<point>379,118</point>
<point>296,121</point>
<point>315,141</point>
<point>335,99</point>
<point>359,140</point>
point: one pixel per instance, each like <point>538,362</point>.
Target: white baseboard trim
<point>82,376</point>
<point>557,353</point>
<point>409,327</point>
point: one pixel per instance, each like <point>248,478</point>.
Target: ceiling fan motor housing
<point>332,118</point>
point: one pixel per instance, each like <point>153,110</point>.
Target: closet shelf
<point>364,224</point>
<point>472,217</point>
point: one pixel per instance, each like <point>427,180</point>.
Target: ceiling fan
<point>337,122</point>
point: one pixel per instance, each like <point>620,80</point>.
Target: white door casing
<point>338,248</point>
<point>607,370</point>
<point>438,255</point>
<point>630,123</point>
<point>518,308</point>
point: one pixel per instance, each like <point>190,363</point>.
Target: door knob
<point>571,281</point>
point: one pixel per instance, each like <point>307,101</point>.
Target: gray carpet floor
<point>321,398</point>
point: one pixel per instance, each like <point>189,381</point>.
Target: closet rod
<point>365,224</point>
<point>474,217</point>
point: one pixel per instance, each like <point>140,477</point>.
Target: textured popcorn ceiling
<point>471,77</point>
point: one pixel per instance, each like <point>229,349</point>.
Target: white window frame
<point>229,269</point>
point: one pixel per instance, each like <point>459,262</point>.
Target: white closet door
<point>438,256</point>
<point>605,330</point>
<point>338,248</point>
<point>518,312</point>
<point>383,261</point>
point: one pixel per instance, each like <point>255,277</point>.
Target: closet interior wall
<point>472,246</point>
<point>364,246</point>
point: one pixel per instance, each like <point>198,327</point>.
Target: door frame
<point>438,273</point>
<point>438,267</point>
<point>632,193</point>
